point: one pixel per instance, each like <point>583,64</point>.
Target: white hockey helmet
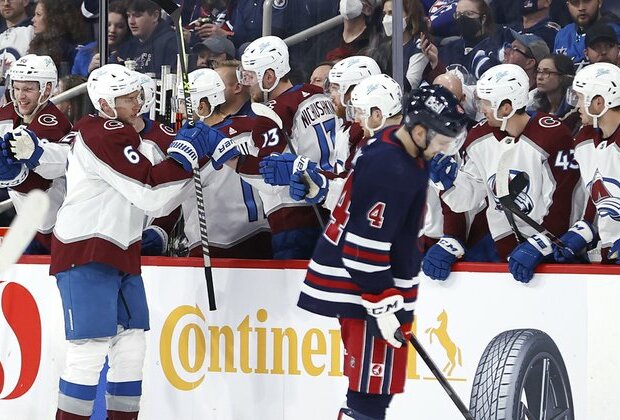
<point>109,82</point>
<point>204,83</point>
<point>378,91</point>
<point>268,52</point>
<point>351,71</point>
<point>504,82</point>
<point>599,79</point>
<point>149,91</point>
<point>34,68</point>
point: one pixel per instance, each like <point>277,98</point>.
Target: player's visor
<point>246,77</point>
<point>572,98</point>
<point>448,145</point>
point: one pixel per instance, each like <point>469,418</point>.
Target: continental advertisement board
<point>555,341</point>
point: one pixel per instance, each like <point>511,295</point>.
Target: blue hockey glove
<point>526,256</point>
<point>154,241</point>
<point>193,143</point>
<point>437,263</point>
<point>277,169</point>
<point>9,171</point>
<point>22,145</point>
<point>309,185</point>
<point>385,314</point>
<point>576,240</point>
<point>614,252</point>
<point>443,171</point>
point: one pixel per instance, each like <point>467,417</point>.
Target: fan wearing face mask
<point>361,19</point>
<point>477,47</point>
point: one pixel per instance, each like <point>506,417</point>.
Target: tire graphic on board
<point>521,376</point>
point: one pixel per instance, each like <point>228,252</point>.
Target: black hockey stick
<point>436,372</point>
<point>516,186</point>
<point>263,110</point>
<point>175,13</point>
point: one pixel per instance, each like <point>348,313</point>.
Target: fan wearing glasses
<point>526,51</point>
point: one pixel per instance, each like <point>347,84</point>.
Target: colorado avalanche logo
<point>606,204</point>
<point>523,200</point>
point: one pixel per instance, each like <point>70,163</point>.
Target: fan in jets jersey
<point>349,136</point>
<point>364,268</point>
<point>236,222</point>
<point>34,131</point>
<point>508,143</point>
<point>308,127</point>
<point>597,151</point>
<point>112,182</point>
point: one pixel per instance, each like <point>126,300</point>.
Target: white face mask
<point>350,9</point>
<point>387,24</point>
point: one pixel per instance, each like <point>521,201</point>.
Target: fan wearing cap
<point>214,50</point>
<point>507,144</point>
<point>596,91</point>
<point>364,269</point>
<point>602,44</point>
<point>526,51</point>
<point>34,152</point>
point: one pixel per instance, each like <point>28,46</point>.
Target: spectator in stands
<point>571,38</point>
<point>320,73</point>
<point>554,76</point>
<point>58,29</point>
<point>526,51</point>
<point>507,12</point>
<point>535,21</point>
<point>477,48</point>
<point>441,17</point>
<point>602,44</point>
<point>76,107</point>
<point>17,34</point>
<point>359,29</point>
<point>87,58</point>
<point>213,50</point>
<point>154,43</point>
<point>237,96</point>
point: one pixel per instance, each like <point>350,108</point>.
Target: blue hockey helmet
<point>434,107</point>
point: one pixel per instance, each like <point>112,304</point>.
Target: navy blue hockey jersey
<point>371,242</point>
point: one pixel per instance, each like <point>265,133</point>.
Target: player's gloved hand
<point>277,168</point>
<point>578,237</point>
<point>154,241</point>
<point>614,252</point>
<point>193,143</point>
<point>10,171</point>
<point>437,263</point>
<point>309,185</point>
<point>22,145</point>
<point>526,256</point>
<point>443,171</point>
<point>386,314</point>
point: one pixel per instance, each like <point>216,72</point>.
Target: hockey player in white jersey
<point>111,182</point>
<point>508,143</point>
<point>34,148</point>
<point>236,222</point>
<point>597,97</point>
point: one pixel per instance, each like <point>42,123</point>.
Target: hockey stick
<point>6,205</point>
<point>436,372</point>
<point>23,228</point>
<point>175,13</point>
<point>263,110</point>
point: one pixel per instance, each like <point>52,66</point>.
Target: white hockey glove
<point>385,312</point>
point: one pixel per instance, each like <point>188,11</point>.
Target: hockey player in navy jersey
<point>364,268</point>
<point>597,88</point>
<point>510,142</point>
<point>112,181</point>
<point>33,143</point>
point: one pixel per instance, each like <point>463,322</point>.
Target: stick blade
<point>263,110</point>
<point>169,6</point>
<point>23,228</point>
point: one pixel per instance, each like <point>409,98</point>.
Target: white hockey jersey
<point>111,183</point>
<point>14,43</point>
<point>544,151</point>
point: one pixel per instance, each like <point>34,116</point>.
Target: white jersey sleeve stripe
<point>368,268</point>
<point>367,243</point>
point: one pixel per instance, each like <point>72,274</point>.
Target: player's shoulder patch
<point>47,120</point>
<point>549,121</point>
<point>167,130</point>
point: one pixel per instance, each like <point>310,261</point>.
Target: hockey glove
<point>526,256</point>
<point>385,312</point>
<point>437,263</point>
<point>277,169</point>
<point>22,145</point>
<point>309,185</point>
<point>11,174</point>
<point>443,171</point>
<point>576,240</point>
<point>194,143</point>
<point>614,252</point>
<point>154,241</point>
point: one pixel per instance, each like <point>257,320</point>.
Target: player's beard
<point>256,94</point>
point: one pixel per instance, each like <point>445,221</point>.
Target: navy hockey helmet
<point>436,108</point>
